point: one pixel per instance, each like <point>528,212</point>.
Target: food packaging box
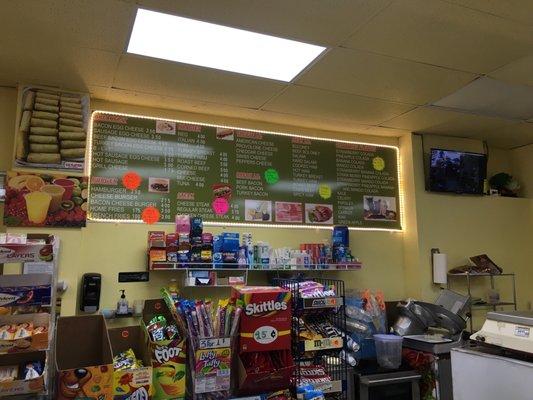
<point>131,383</point>
<point>266,318</point>
<point>38,341</point>
<point>156,239</point>
<point>21,386</point>
<point>25,290</point>
<point>38,247</point>
<point>212,365</point>
<point>84,360</point>
<point>168,357</point>
<point>250,383</point>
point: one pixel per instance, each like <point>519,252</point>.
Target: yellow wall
<point>522,169</point>
<point>397,263</point>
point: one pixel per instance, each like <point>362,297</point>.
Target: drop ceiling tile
<point>491,97</point>
<point>444,34</point>
<point>311,102</point>
<point>389,78</point>
<point>510,136</point>
<point>69,67</point>
<point>99,24</point>
<point>152,76</point>
<point>518,72</point>
<point>518,10</point>
<point>446,122</point>
<point>313,21</point>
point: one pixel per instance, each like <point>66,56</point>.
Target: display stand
<point>324,351</point>
<point>37,290</point>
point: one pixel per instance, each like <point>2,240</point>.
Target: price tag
<point>265,334</point>
<point>323,344</point>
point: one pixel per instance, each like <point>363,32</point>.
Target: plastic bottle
<point>122,304</point>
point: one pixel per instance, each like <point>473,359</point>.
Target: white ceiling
<point>388,60</point>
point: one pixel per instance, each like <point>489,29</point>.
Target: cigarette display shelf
<point>14,253</point>
<point>324,351</point>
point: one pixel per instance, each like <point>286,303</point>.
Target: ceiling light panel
<point>204,44</point>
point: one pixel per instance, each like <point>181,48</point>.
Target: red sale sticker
<point>131,180</point>
<point>150,215</point>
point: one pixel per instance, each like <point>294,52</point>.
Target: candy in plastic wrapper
<point>40,329</point>
<point>32,370</point>
<point>158,319</point>
<point>8,373</point>
<point>24,330</point>
<point>7,332</point>
<point>171,332</point>
<point>124,360</point>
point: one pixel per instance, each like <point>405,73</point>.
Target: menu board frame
<point>400,206</point>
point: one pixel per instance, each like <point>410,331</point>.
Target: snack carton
<point>25,290</point>
<point>36,340</point>
<point>266,318</point>
<point>84,361</point>
<point>131,383</point>
<point>38,247</point>
<point>20,386</point>
<point>168,357</point>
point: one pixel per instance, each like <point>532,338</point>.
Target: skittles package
<point>266,318</point>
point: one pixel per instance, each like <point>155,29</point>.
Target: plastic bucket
<point>388,350</point>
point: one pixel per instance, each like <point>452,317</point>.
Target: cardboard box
<point>168,357</point>
<point>84,361</point>
<point>212,365</point>
<point>250,383</point>
<point>131,383</point>
<point>38,341</point>
<point>266,318</point>
<point>20,386</point>
<point>30,252</point>
<point>25,290</point>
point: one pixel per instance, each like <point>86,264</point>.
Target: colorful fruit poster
<point>45,200</point>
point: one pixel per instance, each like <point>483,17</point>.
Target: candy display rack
<point>325,351</point>
<point>32,290</point>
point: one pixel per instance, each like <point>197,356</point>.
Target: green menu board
<point>233,175</point>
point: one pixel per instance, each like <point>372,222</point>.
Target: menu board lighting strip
<point>239,224</point>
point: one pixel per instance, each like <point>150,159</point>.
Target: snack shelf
<point>39,291</point>
<point>324,351</point>
<point>174,266</point>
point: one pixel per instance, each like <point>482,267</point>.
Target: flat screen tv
<point>457,171</point>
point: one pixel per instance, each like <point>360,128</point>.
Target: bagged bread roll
<point>25,121</point>
<point>70,98</point>
<point>49,102</point>
<point>72,144</point>
<point>44,158</point>
<point>22,145</point>
<point>73,153</point>
<point>67,128</point>
<point>77,117</point>
<point>75,106</point>
<point>45,123</point>
<point>70,109</point>
<point>29,100</point>
<point>45,107</point>
<point>43,148</point>
<point>45,115</point>
<point>72,135</point>
<point>35,130</point>
<point>70,122</point>
<point>47,95</point>
<point>43,139</point>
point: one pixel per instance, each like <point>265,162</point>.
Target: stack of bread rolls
<point>51,128</point>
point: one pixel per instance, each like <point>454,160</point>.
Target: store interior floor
<point>370,162</point>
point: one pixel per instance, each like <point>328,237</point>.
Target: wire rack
<point>319,312</point>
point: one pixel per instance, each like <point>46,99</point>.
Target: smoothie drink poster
<point>45,200</point>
